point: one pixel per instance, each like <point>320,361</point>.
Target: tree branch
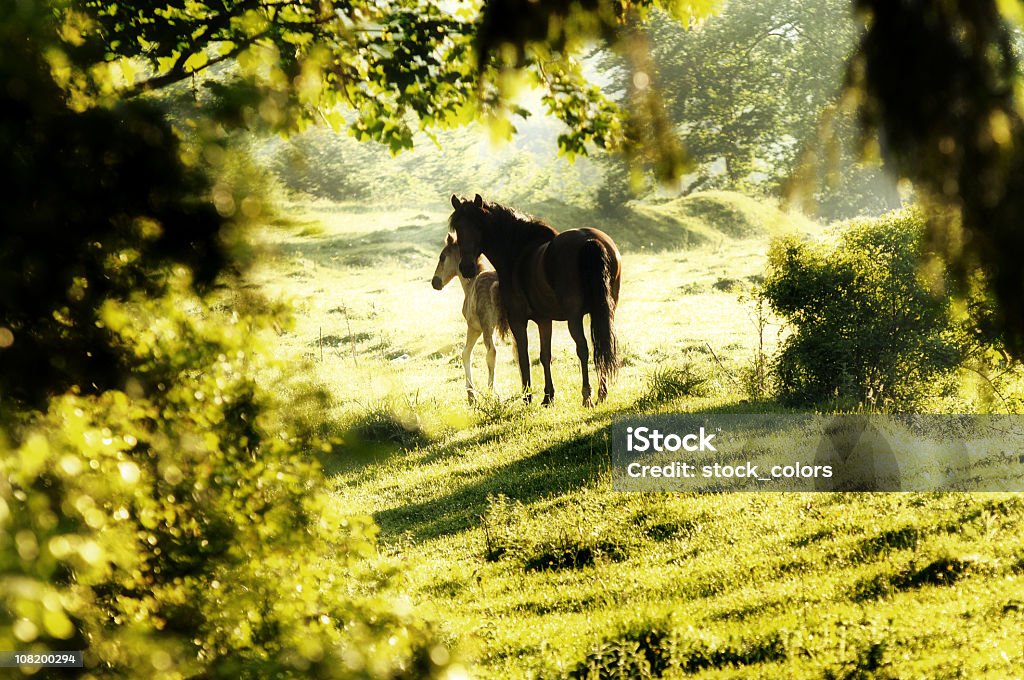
<point>178,72</point>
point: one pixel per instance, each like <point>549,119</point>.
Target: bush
<point>867,327</point>
<point>97,204</point>
<point>180,528</point>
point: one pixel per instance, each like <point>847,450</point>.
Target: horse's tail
<point>600,298</point>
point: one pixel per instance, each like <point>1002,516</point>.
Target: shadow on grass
<point>557,469</point>
<point>359,457</point>
<point>487,430</point>
<point>943,571</point>
<point>376,435</point>
<point>553,470</point>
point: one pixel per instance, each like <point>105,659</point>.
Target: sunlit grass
<point>501,516</point>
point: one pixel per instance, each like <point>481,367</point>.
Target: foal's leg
<point>518,330</point>
<point>491,356</point>
<point>545,360</point>
<point>583,352</point>
<point>467,360</point>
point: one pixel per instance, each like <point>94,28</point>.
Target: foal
<point>482,308</point>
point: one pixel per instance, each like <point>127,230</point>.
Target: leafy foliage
<point>96,205</point>
<point>867,326</point>
<point>182,529</point>
<point>396,65</point>
<point>952,119</point>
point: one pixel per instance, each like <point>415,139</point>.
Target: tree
<point>939,82</point>
<point>97,205</point>
<point>396,65</point>
<point>753,93</point>
<point>749,87</point>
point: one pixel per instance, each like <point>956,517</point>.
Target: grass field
<point>501,519</point>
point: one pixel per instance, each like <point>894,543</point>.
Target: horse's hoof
<point>527,398</point>
<point>588,402</point>
<point>471,397</point>
<point>549,399</point>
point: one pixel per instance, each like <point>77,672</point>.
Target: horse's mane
<point>510,219</point>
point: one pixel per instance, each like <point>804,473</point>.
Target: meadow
<point>499,522</point>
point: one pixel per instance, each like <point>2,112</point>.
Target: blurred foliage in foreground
<point>184,530</point>
<point>941,83</point>
<point>159,507</point>
<point>96,205</point>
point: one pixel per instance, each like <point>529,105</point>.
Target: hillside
<point>358,236</point>
<point>708,217</point>
<point>501,519</point>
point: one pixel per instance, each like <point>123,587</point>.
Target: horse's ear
<point>455,202</point>
<point>450,240</point>
<point>478,201</point>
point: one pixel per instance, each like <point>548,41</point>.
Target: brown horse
<point>546,276</point>
<point>481,308</point>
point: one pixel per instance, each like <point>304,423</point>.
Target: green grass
<point>501,518</point>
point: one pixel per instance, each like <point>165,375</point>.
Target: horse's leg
<point>518,330</point>
<point>545,360</point>
<point>467,360</point>
<point>583,352</point>
<point>492,355</point>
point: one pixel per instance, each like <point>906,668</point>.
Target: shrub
<point>656,652</point>
<point>181,528</point>
<point>668,383</point>
<point>97,204</point>
<point>867,327</point>
<point>382,426</point>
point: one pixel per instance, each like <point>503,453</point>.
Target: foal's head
<point>447,264</point>
<point>466,222</point>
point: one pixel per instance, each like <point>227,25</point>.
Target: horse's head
<point>447,264</point>
<point>467,223</point>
